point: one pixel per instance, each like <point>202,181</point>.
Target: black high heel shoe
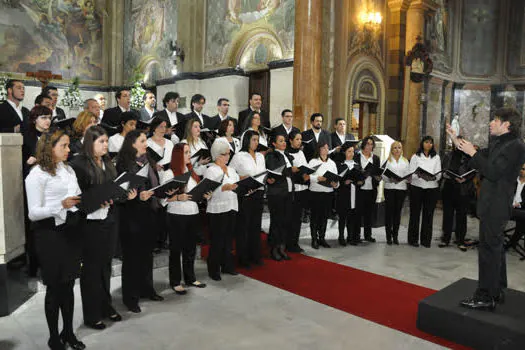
<point>275,254</point>
<point>115,317</point>
<point>98,326</point>
<point>283,253</point>
<point>55,344</point>
<point>72,342</point>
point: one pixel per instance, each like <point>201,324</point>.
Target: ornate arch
<point>253,48</point>
<point>365,82</point>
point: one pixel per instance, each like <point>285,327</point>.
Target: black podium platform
<point>503,328</point>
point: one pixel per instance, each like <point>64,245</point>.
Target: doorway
<point>363,119</point>
<point>259,82</point>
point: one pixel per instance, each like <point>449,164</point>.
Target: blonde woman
<point>395,191</point>
<point>82,123</point>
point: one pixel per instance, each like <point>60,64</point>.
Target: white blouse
<point>180,207</point>
<point>401,168</point>
<point>194,148</point>
<point>245,165</point>
<point>299,160</point>
<point>222,201</point>
<point>350,164</point>
<point>364,162</point>
<point>46,192</point>
<point>329,165</point>
<point>115,143</point>
<point>432,165</point>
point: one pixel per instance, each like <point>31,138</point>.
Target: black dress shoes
<point>231,272</point>
<point>98,326</point>
<point>295,249</point>
<point>156,297</point>
<point>414,244</point>
<point>134,308</point>
<point>324,243</point>
<point>215,277</point>
<point>500,299</point>
<point>55,344</point>
<point>342,241</point>
<point>72,342</point>
<point>315,244</point>
<point>370,239</point>
<point>389,241</point>
<point>396,242</point>
<point>275,254</point>
<point>115,317</point>
<point>478,303</point>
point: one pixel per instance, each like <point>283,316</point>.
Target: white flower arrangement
<point>137,92</point>
<point>3,92</point>
<point>72,98</point>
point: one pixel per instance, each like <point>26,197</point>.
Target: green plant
<point>72,98</point>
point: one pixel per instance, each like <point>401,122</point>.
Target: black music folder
<point>276,173</point>
<point>331,177</point>
<point>425,174</point>
<point>154,155</point>
<point>303,169</point>
<point>393,176</point>
<point>96,196</point>
<point>262,148</point>
<point>246,185</point>
<point>63,124</point>
<point>468,175</point>
<point>203,153</point>
<point>205,186</point>
<point>373,170</point>
<point>355,175</point>
<point>144,125</point>
<point>177,183</point>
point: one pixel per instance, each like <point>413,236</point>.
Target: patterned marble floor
<point>240,313</point>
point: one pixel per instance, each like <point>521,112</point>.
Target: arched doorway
<point>366,97</point>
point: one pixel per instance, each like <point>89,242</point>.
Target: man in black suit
<point>52,92</point>
<point>197,104</point>
<point>338,137</point>
<point>286,127</point>
<point>255,105</point>
<point>314,136</point>
<point>223,107</point>
<point>499,166</point>
<point>13,117</point>
<point>111,116</point>
<point>147,112</point>
<point>174,120</point>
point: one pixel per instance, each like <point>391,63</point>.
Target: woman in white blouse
<point>52,196</point>
<point>194,140</point>
<point>226,131</point>
<point>128,120</point>
<point>300,197</point>
<point>395,191</point>
<point>94,167</point>
<point>183,223</point>
<point>321,195</point>
<point>345,203</point>
<point>253,122</point>
<point>424,192</point>
<point>222,209</point>
<point>249,162</point>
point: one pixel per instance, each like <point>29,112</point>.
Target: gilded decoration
<point>367,28</point>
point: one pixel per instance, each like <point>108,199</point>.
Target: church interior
<point>396,69</point>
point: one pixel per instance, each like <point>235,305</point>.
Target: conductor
<point>498,165</point>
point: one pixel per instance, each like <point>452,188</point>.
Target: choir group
<point>134,183</point>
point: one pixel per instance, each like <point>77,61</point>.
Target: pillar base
<point>14,287</point>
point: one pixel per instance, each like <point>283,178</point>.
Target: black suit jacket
<point>9,119</point>
<point>206,119</point>
<point>280,130</point>
<point>243,115</point>
<point>309,148</point>
<point>375,160</point>
<point>179,128</point>
<point>111,116</point>
<point>275,160</point>
<point>499,165</point>
<point>336,141</point>
<point>215,122</point>
<point>61,115</point>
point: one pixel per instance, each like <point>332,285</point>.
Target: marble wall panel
<point>434,112</point>
<point>474,115</point>
<point>281,93</point>
<point>516,39</point>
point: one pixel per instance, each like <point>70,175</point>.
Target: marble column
<point>307,61</point>
<point>191,34</point>
<point>412,109</point>
<point>13,289</point>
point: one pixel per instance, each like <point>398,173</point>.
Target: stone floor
<point>241,313</point>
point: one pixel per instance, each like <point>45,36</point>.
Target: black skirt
<point>59,251</point>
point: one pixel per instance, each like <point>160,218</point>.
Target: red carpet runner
<point>386,301</point>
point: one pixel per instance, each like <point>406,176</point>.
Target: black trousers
<point>161,226</point>
<point>366,205</point>
<point>220,257</point>
<point>248,237</point>
<point>299,203</point>
<point>321,206</point>
<point>491,257</point>
<point>183,240</point>
<point>280,212</point>
<point>137,260</point>
<point>97,254</point>
<point>519,231</point>
<point>454,204</point>
<point>59,299</point>
<point>394,200</point>
<point>421,200</point>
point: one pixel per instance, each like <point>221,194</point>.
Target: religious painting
<point>227,20</point>
<point>367,36</point>
<point>438,37</point>
<point>62,36</point>
<point>149,28</point>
